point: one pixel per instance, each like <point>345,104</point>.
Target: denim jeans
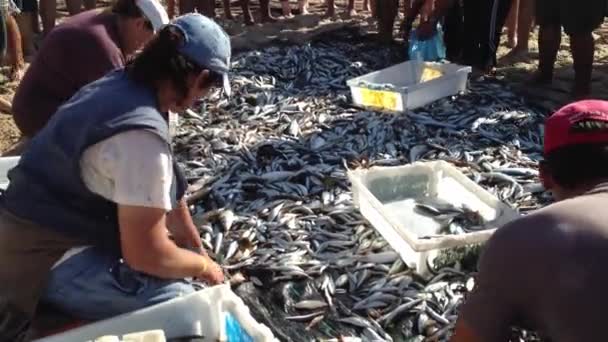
<point>96,285</point>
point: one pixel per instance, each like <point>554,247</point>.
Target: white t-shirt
<point>130,168</point>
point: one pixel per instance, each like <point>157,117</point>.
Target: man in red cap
<point>547,271</point>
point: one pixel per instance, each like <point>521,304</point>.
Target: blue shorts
<point>95,285</point>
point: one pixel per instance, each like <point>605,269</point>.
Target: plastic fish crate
<point>386,198</point>
<point>407,89</point>
<point>210,313</point>
<point>6,163</point>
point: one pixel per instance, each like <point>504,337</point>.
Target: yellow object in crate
<point>379,98</point>
<point>429,74</point>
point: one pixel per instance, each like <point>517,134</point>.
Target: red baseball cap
<point>558,127</point>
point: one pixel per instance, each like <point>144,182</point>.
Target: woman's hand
<point>212,273</point>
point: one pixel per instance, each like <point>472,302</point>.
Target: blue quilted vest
<point>47,188</point>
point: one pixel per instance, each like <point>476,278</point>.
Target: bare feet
<point>248,19</point>
<point>516,55</point>
<point>17,72</point>
<point>366,6</point>
<point>286,9</point>
<point>303,7</point>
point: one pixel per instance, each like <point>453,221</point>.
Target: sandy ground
<point>303,28</point>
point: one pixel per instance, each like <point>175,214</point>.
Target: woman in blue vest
<point>84,222</point>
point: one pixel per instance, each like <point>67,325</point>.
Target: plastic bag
<point>429,50</point>
<point>234,331</point>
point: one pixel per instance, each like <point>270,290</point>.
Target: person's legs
<point>512,21</point>
<point>24,21</point>
<point>350,9</point>
<point>303,6</point>
<point>387,11</point>
<point>579,21</point>
<point>247,16</point>
<point>227,10</point>
<point>454,37</point>
<point>266,16</point>
<point>524,28</point>
<point>286,8</point>
<point>48,13</point>
<point>502,11</point>
<point>582,46</point>
<point>3,35</point>
<point>96,285</point>
<point>549,39</point>
<point>73,6</point>
<point>27,253</point>
<point>525,24</point>
<point>492,19</point>
<point>331,8</point>
<point>472,31</point>
<point>15,48</point>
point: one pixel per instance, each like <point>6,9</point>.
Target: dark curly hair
<point>161,60</point>
<point>575,165</point>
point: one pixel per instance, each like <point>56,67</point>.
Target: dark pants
<point>473,29</point>
<point>3,35</point>
<point>30,6</point>
<point>577,17</point>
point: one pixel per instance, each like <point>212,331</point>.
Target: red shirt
<point>82,49</point>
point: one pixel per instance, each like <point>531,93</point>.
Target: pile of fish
<point>267,169</point>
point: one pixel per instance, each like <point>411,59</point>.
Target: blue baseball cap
<point>205,43</point>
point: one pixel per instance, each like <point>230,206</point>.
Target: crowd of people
<point>473,28</point>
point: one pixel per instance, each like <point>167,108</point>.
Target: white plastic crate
<point>386,198</point>
<point>408,92</point>
<point>6,163</point>
<point>199,314</point>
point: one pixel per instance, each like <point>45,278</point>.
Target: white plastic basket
<point>385,196</point>
<point>199,314</point>
<point>407,91</point>
<point>6,163</point>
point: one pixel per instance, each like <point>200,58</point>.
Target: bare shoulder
<point>518,242</point>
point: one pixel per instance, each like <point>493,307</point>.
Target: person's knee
<point>164,291</point>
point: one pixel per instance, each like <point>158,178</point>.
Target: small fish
<point>310,305</point>
<point>227,218</point>
<point>306,317</point>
